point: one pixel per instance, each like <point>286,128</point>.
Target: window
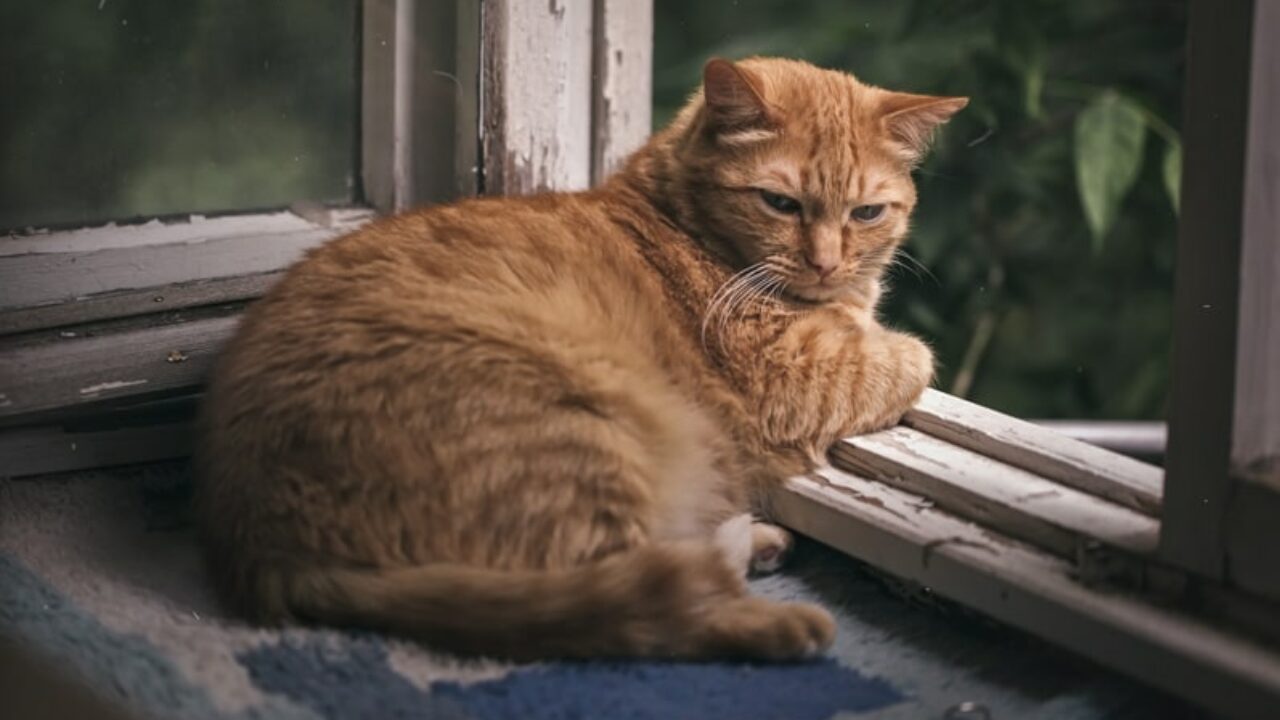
<point>168,162</point>
<point>135,110</point>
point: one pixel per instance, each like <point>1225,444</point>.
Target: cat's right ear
<point>733,97</point>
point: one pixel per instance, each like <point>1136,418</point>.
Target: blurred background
<point>119,109</point>
<point>1040,266</point>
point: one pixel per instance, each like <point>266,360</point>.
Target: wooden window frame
<point>1096,552</point>
<point>1220,517</point>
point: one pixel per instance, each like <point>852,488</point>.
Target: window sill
<point>65,278</point>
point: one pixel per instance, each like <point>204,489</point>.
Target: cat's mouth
<point>819,290</point>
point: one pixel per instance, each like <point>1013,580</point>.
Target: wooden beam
<point>84,275</point>
<point>55,449</point>
<point>1252,531</point>
<point>468,170</point>
<point>1142,439</point>
<point>130,303</point>
<point>418,101</point>
<point>536,95</point>
<point>622,113</point>
<point>1040,450</point>
<point>1053,516</point>
<point>380,135</point>
<point>139,432</point>
<point>1255,438</point>
<point>1229,673</point>
<point>56,375</point>
<point>1207,285</point>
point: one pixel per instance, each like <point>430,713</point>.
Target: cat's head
<point>805,170</point>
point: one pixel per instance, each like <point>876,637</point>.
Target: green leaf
<point>1033,87</point>
<point>1109,133</point>
<point>1173,174</point>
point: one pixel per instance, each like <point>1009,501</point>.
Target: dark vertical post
<point>1207,285</point>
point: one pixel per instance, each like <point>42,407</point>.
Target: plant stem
<point>983,332</point>
<point>978,344</point>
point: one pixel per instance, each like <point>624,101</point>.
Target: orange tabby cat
<point>532,427</point>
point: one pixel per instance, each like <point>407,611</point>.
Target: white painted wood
<point>63,373</point>
<point>66,270</point>
<point>1253,525</point>
<point>1040,450</point>
<point>1141,438</point>
<point>419,98</point>
<point>1255,437</point>
<point>131,303</point>
<point>623,93</point>
<point>1056,517</point>
<point>904,534</point>
<point>536,89</point>
<point>196,229</point>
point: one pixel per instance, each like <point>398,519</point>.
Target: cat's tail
<point>684,599</point>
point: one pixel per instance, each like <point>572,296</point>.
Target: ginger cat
<point>532,426</point>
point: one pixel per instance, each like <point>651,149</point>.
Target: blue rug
<point>99,572</point>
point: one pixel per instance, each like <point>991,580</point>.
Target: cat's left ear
<point>911,119</point>
<point>734,97</point>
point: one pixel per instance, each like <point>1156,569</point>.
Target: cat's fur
<point>512,426</point>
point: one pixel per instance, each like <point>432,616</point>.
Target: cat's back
<point>491,245</point>
<point>551,276</point>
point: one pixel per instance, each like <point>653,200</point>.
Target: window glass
<point>1040,264</point>
<point>117,109</point>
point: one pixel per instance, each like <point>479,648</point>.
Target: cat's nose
<point>822,265</point>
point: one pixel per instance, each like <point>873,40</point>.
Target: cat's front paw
<point>904,369</point>
<point>917,368</point>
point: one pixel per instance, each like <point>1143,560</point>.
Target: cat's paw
<point>761,629</point>
<point>917,367</point>
<point>906,368</point>
<point>770,546</point>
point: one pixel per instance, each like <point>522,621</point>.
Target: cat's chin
<point>820,293</point>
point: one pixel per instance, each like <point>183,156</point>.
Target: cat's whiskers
<point>742,290</point>
<point>722,294</point>
<point>915,267</point>
<point>751,283</point>
<point>748,288</point>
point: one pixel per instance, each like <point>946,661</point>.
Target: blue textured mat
<point>98,571</point>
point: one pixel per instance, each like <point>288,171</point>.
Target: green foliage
<point>1173,174</point>
<point>1027,310</point>
<point>1109,135</point>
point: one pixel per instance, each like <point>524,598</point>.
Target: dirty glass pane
<point>1041,297</point>
<point>117,109</point>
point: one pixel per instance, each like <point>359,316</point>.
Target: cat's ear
<point>911,119</point>
<point>733,97</point>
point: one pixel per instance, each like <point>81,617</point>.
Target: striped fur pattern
<point>531,427</point>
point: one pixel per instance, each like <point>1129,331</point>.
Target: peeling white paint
<point>113,385</point>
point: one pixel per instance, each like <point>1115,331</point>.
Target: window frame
<point>1224,420</point>
<point>143,309</point>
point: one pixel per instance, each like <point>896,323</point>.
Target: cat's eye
<point>868,213</point>
<point>781,203</point>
